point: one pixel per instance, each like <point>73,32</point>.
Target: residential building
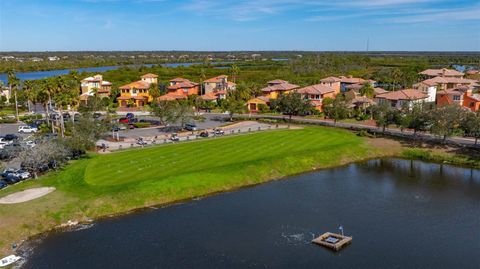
<point>332,82</point>
<point>91,85</point>
<point>451,96</point>
<point>255,104</point>
<point>471,100</point>
<point>444,72</point>
<point>401,98</point>
<point>316,93</point>
<point>53,58</point>
<point>216,84</point>
<point>136,94</point>
<point>274,89</point>
<point>432,85</point>
<point>277,87</point>
<point>180,88</point>
<point>344,84</point>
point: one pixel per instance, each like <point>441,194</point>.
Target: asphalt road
<point>461,141</point>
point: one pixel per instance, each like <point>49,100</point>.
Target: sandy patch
<point>26,195</point>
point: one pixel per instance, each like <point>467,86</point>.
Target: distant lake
<point>52,73</point>
<point>401,214</point>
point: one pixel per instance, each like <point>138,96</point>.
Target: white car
<point>4,142</point>
<point>30,144</point>
<point>27,129</point>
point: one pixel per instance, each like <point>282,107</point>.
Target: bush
<point>142,124</point>
<point>30,118</point>
<point>8,120</point>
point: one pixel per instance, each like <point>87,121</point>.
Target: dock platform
<point>333,241</point>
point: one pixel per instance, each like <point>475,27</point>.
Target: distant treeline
<point>24,61</point>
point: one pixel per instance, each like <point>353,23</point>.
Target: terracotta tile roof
<point>315,89</point>
<point>472,72</point>
<point>216,79</point>
<point>179,80</point>
<point>379,91</point>
<point>149,75</point>
<point>475,97</point>
<point>280,87</point>
<point>407,94</point>
<point>209,96</point>
<point>124,98</point>
<point>450,92</point>
<point>445,80</point>
<point>171,97</point>
<point>362,100</point>
<point>139,84</point>
<point>183,84</point>
<point>441,72</point>
<point>330,80</point>
<point>351,80</point>
<point>355,86</point>
<point>277,81</point>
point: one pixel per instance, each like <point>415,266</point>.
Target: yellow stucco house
<point>136,94</point>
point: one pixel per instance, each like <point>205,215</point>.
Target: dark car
<point>55,116</point>
<point>3,184</point>
<point>10,137</point>
<point>39,122</point>
<point>8,171</point>
<point>66,116</point>
<point>204,134</point>
<point>12,178</point>
<point>129,116</point>
<point>96,115</point>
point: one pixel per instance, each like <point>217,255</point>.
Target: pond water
<point>52,73</point>
<point>401,214</point>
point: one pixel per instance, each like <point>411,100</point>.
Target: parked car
<point>50,135</point>
<point>204,134</point>
<point>12,178</point>
<point>218,132</point>
<point>97,115</point>
<point>191,127</point>
<point>38,122</point>
<point>129,116</point>
<point>55,116</point>
<point>175,137</point>
<point>30,144</point>
<point>3,184</point>
<point>124,120</point>
<point>27,129</point>
<point>141,142</point>
<point>8,171</point>
<point>10,137</point>
<point>22,174</point>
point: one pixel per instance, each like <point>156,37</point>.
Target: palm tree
<point>235,71</point>
<point>13,83</point>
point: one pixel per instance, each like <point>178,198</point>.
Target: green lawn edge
<point>85,189</point>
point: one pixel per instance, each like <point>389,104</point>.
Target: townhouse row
<point>440,86</point>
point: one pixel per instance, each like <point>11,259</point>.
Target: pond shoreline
<point>377,153</point>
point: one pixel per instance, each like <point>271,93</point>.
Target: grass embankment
<point>101,185</point>
<point>440,157</point>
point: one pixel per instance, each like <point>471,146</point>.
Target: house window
<point>456,98</point>
<point>472,104</point>
<point>317,97</point>
<point>134,91</point>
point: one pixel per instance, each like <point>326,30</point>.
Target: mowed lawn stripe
<point>166,161</point>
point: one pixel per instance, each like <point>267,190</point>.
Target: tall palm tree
<point>13,83</point>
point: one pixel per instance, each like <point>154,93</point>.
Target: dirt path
<point>26,195</point>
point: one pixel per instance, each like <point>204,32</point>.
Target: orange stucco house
<point>316,93</point>
<point>180,88</point>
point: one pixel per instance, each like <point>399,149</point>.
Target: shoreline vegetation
<point>99,186</point>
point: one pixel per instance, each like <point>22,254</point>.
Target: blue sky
<point>427,25</point>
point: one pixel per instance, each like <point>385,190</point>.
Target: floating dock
<point>333,241</point>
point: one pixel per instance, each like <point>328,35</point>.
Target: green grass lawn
<point>101,185</point>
